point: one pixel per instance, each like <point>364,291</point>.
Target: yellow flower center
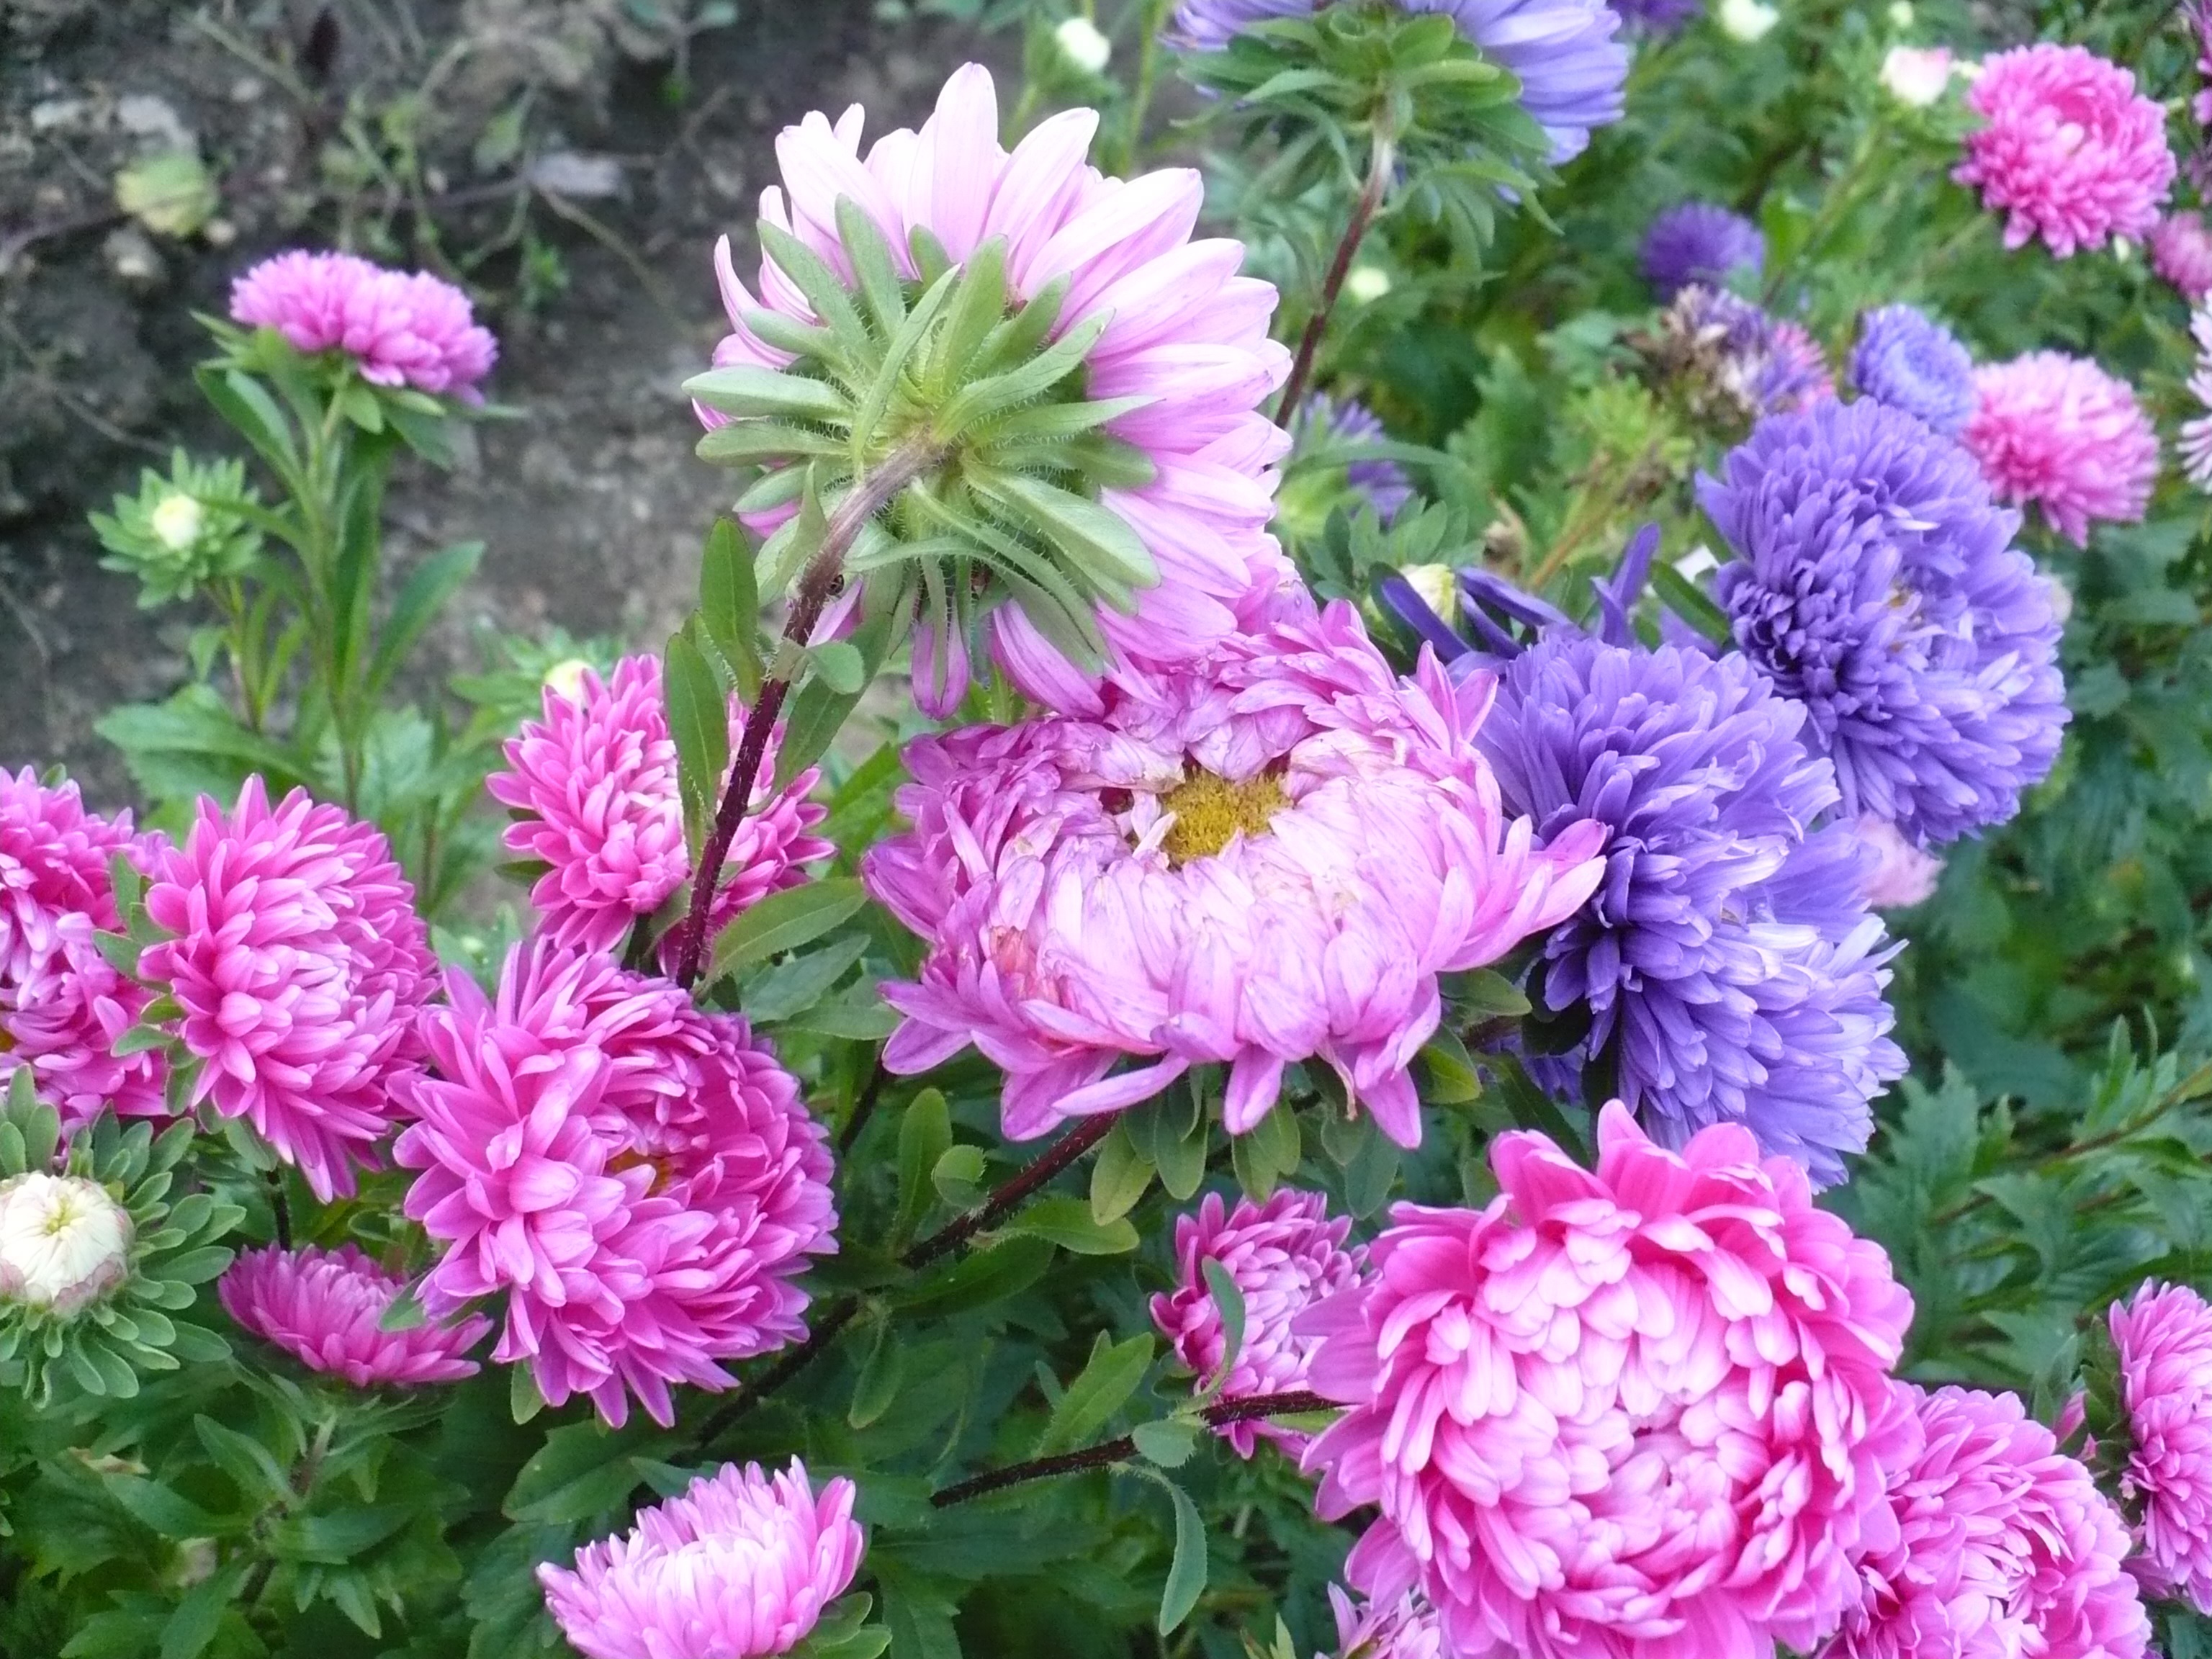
<point>1209,811</point>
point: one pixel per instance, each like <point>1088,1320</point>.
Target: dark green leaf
<point>785,920</point>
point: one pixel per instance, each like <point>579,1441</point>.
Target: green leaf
<point>881,1373</point>
<point>1690,603</point>
<point>699,724</point>
<point>1168,1442</point>
<point>524,1401</point>
<point>1187,1574</point>
<point>1181,1162</point>
<point>925,1135</point>
<point>784,921</point>
<point>245,403</point>
<point>729,603</point>
<point>839,664</point>
<point>978,1279</point>
<point>1107,1379</point>
<point>335,1538</point>
<point>1067,1222</point>
<point>793,986</point>
<point>1091,538</point>
<point>580,1471</point>
<point>958,1175</point>
<point>1222,1288</point>
<point>1265,1153</point>
<point>749,392</point>
<point>156,1507</point>
<point>198,1616</point>
<point>429,585</point>
<point>1119,1176</point>
<point>252,1469</point>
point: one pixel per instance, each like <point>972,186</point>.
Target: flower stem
<point>1124,1447</point>
<point>1065,1152</point>
<point>818,585</point>
<point>826,1331</point>
<point>1151,18</point>
<point>1380,162</point>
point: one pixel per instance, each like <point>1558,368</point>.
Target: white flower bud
<point>565,678</point>
<point>1083,46</point>
<point>1749,20</point>
<point>1438,586</point>
<point>1900,14</point>
<point>2062,597</point>
<point>64,1242</point>
<point>1916,76</point>
<point>177,521</point>
<point>1366,283</point>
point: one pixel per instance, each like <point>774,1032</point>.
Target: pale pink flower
<point>2181,251</point>
<point>2165,1343</point>
<point>2069,150</point>
<point>2005,1548</point>
<point>637,1177</point>
<point>54,860</point>
<point>1638,1413</point>
<point>2059,432</point>
<point>1189,335</point>
<point>296,952</point>
<point>593,788</point>
<point>1897,874</point>
<point>1916,76</point>
<point>2195,444</point>
<point>1264,859</point>
<point>739,1567</point>
<point>1406,1628</point>
<point>401,329</point>
<point>325,1309</point>
<point>1283,1256</point>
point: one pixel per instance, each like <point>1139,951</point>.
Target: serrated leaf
<point>580,1470</point>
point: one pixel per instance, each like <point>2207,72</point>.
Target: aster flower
<point>1700,242</point>
<point>400,329</point>
<point>1326,423</point>
<point>1876,582</point>
<point>64,1243</point>
<point>740,1566</point>
<point>1918,77</point>
<point>2003,1545</point>
<point>593,786</point>
<point>1284,1255</point>
<point>2164,1340</point>
<point>1898,875</point>
<point>2195,445</point>
<point>295,953</point>
<point>1570,69</point>
<point>54,863</point>
<point>1643,1410</point>
<point>1730,968</point>
<point>1735,360</point>
<point>1266,861</point>
<point>1404,1629</point>
<point>2059,432</point>
<point>1657,17</point>
<point>2181,251</point>
<point>325,1309</point>
<point>2069,151</point>
<point>638,1178</point>
<point>1908,361</point>
<point>1182,333</point>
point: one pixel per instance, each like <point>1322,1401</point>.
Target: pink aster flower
<point>2069,150</point>
<point>1641,1412</point>
<point>2181,251</point>
<point>1896,873</point>
<point>54,863</point>
<point>2196,443</point>
<point>2004,1546</point>
<point>1284,1255</point>
<point>2165,1343</point>
<point>296,955</point>
<point>740,1566</point>
<point>594,789</point>
<point>325,1309</point>
<point>638,1178</point>
<point>1264,859</point>
<point>2060,432</point>
<point>1404,1629</point>
<point>401,329</point>
<point>1189,335</point>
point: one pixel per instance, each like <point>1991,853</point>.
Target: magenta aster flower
<point>637,1177</point>
<point>1187,335</point>
<point>1285,1255</point>
<point>2165,1343</point>
<point>2060,432</point>
<point>740,1566</point>
<point>2069,150</point>
<point>1404,1629</point>
<point>1642,1412</point>
<point>1267,859</point>
<point>325,1309</point>
<point>400,329</point>
<point>593,786</point>
<point>2002,1545</point>
<point>54,863</point>
<point>296,952</point>
<point>2181,251</point>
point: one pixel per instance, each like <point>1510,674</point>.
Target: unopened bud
<point>1916,76</point>
<point>565,678</point>
<point>1437,586</point>
<point>1083,46</point>
<point>64,1242</point>
<point>1749,20</point>
<point>177,521</point>
<point>1366,283</point>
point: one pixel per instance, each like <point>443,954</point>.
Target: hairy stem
<point>1382,160</point>
<point>864,1107</point>
<point>818,585</point>
<point>826,1331</point>
<point>1065,1152</point>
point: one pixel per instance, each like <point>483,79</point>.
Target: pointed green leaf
<point>1186,1575</point>
<point>748,392</point>
<point>1107,1379</point>
<point>874,265</point>
<point>1229,1300</point>
<point>729,604</point>
<point>1119,1176</point>
<point>925,1135</point>
<point>881,1373</point>
<point>785,920</point>
<point>699,724</point>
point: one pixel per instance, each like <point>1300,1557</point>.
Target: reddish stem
<point>1362,214</point>
<point>1068,1148</point>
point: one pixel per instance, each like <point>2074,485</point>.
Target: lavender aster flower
<point>1908,361</point>
<point>1325,423</point>
<point>1657,17</point>
<point>1700,242</point>
<point>1876,582</point>
<point>1570,69</point>
<point>1731,969</point>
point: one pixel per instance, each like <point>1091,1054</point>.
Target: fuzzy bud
<point>64,1242</point>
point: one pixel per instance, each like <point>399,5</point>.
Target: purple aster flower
<point>1730,967</point>
<point>1656,17</point>
<point>1326,423</point>
<point>1876,582</point>
<point>1908,361</point>
<point>1571,69</point>
<point>1700,242</point>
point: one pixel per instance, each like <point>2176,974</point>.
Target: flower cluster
<point>326,1308</point>
<point>2060,433</point>
<point>400,328</point>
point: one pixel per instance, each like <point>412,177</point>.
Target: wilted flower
<point>593,786</point>
<point>1908,361</point>
<point>1640,1411</point>
<point>1729,352</point>
<point>1406,1628</point>
<point>1726,960</point>
<point>400,329</point>
<point>2181,251</point>
<point>2059,432</point>
<point>299,963</point>
<point>639,1178</point>
<point>2002,1545</point>
<point>64,1242</point>
<point>1284,1255</point>
<point>1916,76</point>
<point>2164,1339</point>
<point>325,1309</point>
<point>1700,242</point>
<point>1264,861</point>
<point>1876,582</point>
<point>1900,875</point>
<point>740,1566</point>
<point>2069,151</point>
